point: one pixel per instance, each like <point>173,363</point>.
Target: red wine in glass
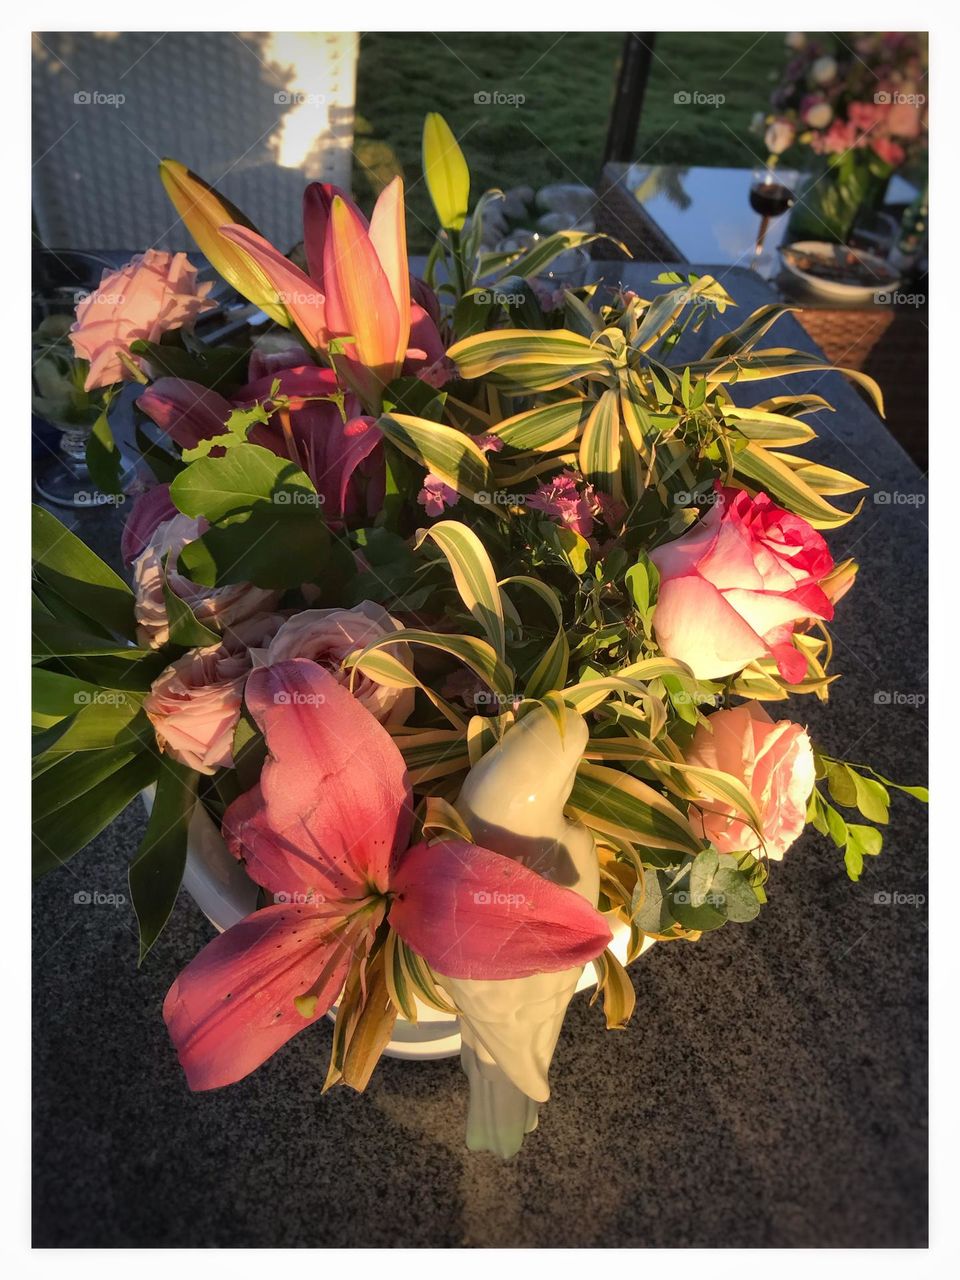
<point>770,198</point>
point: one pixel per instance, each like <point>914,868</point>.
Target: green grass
<point>558,133</point>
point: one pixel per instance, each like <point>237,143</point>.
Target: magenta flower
<point>562,501</point>
<point>343,459</point>
<point>326,831</point>
<point>436,496</point>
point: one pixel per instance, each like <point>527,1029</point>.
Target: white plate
<point>885,284</point>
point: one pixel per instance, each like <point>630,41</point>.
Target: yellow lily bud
<point>446,172</point>
<point>204,211</point>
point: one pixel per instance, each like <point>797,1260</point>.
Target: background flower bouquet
<point>456,604</point>
<point>859,102</point>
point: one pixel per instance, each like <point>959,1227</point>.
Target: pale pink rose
<point>153,293</point>
<point>327,636</point>
<point>889,152</point>
<point>218,608</point>
<point>824,70</point>
<point>194,704</point>
<point>734,586</point>
<point>774,760</point>
<point>779,135</point>
<point>906,114</point>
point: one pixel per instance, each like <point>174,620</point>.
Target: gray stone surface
<point>770,1091</point>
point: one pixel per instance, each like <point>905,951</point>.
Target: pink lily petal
<point>301,296</point>
<point>359,299</point>
<point>149,510</point>
<point>472,913</point>
<point>388,235</point>
<point>185,411</point>
<point>335,799</point>
<point>424,339</point>
<point>233,1006</point>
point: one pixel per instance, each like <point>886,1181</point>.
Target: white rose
<point>824,70</point>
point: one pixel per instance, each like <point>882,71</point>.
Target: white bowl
<point>885,283</point>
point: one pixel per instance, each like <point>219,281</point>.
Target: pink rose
<point>888,151</point>
<point>327,636</point>
<point>216,607</point>
<point>153,293</point>
<point>194,704</point>
<point>734,586</point>
<point>774,760</point>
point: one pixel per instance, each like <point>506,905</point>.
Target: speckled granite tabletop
<point>770,1091</point>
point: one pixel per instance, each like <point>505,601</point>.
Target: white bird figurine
<point>512,800</point>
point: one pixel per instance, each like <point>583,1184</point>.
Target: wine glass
<point>772,193</point>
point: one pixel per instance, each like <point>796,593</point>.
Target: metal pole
<point>628,98</point>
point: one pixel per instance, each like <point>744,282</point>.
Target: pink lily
<point>326,830</point>
<point>343,459</point>
<point>358,287</point>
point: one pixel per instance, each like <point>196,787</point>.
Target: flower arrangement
<point>460,618</point>
<point>860,104</point>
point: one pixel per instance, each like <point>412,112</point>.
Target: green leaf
<point>738,902</point>
<point>57,836</point>
<point>617,803</point>
<point>157,870</point>
<point>75,774</point>
<point>184,626</point>
<point>705,867</point>
<point>264,512</point>
<point>536,361</point>
<point>474,576</point>
<point>600,445</point>
<point>544,429</point>
<point>873,799</point>
<point>536,260</point>
<point>450,454</point>
<point>103,457</point>
<point>772,475</point>
<point>866,840</point>
<point>842,784</point>
<point>77,574</point>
